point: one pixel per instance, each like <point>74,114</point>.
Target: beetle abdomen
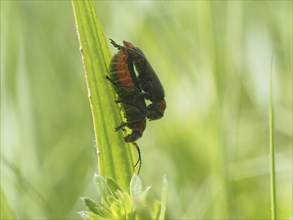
<point>120,72</point>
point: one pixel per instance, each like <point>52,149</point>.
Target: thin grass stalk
<point>272,149</point>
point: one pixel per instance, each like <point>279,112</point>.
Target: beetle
<point>122,77</point>
<point>125,83</point>
<point>148,80</point>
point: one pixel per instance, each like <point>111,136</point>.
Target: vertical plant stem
<point>272,149</point>
<point>114,155</point>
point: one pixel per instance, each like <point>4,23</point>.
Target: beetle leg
<point>114,84</point>
<point>117,101</point>
<point>123,124</point>
<point>136,91</point>
<point>129,99</point>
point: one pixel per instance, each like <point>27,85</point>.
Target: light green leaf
<point>113,186</point>
<point>117,210</point>
<point>164,198</point>
<point>157,207</point>
<point>124,197</point>
<point>95,208</point>
<point>135,187</point>
<point>102,187</point>
<point>274,214</point>
<point>114,155</point>
<point>142,196</point>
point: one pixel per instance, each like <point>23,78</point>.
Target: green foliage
<point>272,148</point>
<point>213,59</point>
<point>114,155</point>
<point>163,204</point>
<point>118,204</point>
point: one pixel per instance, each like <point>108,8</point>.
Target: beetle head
<point>132,137</point>
<point>137,130</point>
<point>156,110</point>
<point>128,44</point>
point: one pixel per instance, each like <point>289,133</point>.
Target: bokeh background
<point>213,58</point>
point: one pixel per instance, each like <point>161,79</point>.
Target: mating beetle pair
<point>133,90</point>
<point>148,80</point>
<point>126,86</point>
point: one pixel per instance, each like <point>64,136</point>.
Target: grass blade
<point>164,199</point>
<point>272,149</point>
<point>114,155</point>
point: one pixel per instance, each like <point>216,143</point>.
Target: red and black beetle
<point>133,90</point>
<point>148,80</point>
<point>127,88</point>
<point>125,83</point>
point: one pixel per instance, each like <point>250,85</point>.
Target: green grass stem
<point>272,149</point>
<point>114,155</point>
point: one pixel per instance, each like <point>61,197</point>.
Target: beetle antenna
<point>115,44</point>
<point>130,50</point>
<point>139,161</point>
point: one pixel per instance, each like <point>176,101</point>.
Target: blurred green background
<point>213,58</point>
